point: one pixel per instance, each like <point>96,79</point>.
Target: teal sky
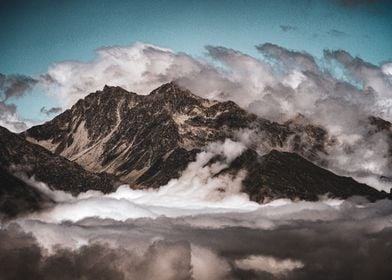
<point>35,34</point>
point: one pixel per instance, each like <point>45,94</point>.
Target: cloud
<point>10,119</point>
<point>53,110</point>
<point>15,85</point>
<point>337,33</point>
<point>22,258</point>
<point>200,189</point>
<point>268,264</point>
<point>291,240</point>
<point>387,69</point>
<point>140,68</point>
<point>287,28</point>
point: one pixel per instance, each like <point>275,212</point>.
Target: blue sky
<point>36,34</point>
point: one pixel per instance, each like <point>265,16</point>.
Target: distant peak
<point>168,87</point>
<point>107,88</point>
<point>173,90</point>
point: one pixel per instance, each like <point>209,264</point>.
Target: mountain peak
<point>173,90</point>
<point>110,89</point>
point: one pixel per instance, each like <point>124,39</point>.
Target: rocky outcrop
<point>20,156</point>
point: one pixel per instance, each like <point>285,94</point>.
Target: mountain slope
<point>20,156</point>
<point>147,140</point>
<point>288,175</point>
<point>17,197</point>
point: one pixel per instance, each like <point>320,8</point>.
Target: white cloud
<point>268,264</point>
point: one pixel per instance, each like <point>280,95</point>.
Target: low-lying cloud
<point>199,226</point>
<point>282,240</point>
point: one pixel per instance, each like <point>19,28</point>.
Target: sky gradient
<point>37,34</point>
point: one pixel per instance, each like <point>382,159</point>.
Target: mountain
<point>17,197</point>
<point>288,175</point>
<point>18,156</point>
<point>146,140</point>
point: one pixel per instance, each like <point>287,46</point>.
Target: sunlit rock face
<point>147,140</point>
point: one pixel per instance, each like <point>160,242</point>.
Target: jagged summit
<point>173,90</point>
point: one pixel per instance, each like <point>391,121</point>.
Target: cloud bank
<point>282,240</point>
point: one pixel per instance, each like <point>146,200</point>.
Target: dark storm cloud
<point>337,33</point>
<point>287,28</point>
<point>15,85</point>
<point>53,110</point>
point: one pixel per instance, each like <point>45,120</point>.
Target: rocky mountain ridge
<point>147,140</point>
<point>131,135</point>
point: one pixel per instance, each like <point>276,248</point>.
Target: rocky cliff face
<point>147,140</point>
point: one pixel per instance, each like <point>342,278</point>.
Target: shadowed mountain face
<point>20,156</point>
<point>17,197</point>
<point>148,140</point>
<point>288,175</point>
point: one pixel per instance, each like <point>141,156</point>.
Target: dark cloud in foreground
<point>337,33</point>
<point>355,245</point>
<point>53,110</point>
<point>287,28</point>
<point>22,258</point>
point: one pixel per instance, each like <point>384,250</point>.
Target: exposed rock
<point>147,140</point>
<point>20,156</point>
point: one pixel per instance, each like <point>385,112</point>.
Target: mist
<point>191,229</point>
